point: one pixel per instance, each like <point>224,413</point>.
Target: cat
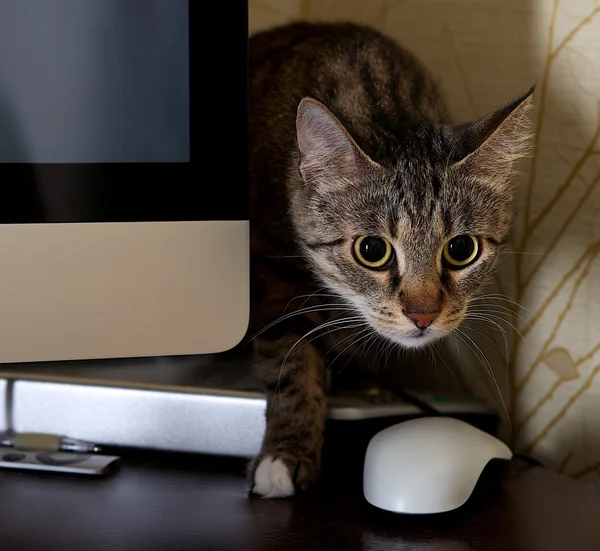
<point>370,212</point>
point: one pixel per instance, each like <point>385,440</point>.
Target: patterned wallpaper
<point>484,53</point>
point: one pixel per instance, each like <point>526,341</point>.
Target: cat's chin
<point>418,341</point>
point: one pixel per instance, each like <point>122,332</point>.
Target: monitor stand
<point>198,404</point>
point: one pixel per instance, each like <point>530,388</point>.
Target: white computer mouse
<point>427,465</point>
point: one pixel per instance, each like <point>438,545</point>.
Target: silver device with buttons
<point>62,462</point>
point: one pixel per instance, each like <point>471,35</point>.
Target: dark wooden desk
<point>172,503</point>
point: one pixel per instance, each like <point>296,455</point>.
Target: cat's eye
<point>373,251</point>
<point>461,251</point>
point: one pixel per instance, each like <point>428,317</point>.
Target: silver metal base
<point>200,404</point>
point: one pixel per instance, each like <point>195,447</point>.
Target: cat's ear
<point>329,158</point>
<point>488,148</point>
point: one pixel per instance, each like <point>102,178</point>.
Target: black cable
<point>528,459</point>
<point>423,406</point>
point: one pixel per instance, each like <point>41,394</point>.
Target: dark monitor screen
<point>122,110</point>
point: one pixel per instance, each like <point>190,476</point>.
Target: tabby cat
<point>369,210</point>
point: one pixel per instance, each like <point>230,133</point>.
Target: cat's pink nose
<point>422,320</point>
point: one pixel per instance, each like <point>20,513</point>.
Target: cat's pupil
<point>373,249</point>
<point>461,248</point>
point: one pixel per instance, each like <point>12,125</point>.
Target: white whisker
<point>340,342</point>
<point>337,324</point>
<point>495,345</point>
<point>499,309</point>
<point>390,348</point>
<point>365,343</point>
<point>284,256</point>
<point>505,298</point>
<point>307,310</point>
<point>360,336</point>
<point>317,293</point>
<point>323,297</point>
<point>488,368</point>
<point>490,317</point>
<point>523,252</point>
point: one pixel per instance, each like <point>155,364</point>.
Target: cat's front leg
<point>290,457</point>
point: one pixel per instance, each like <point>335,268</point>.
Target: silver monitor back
<point>117,290</point>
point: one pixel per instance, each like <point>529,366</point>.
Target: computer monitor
<point>124,225</point>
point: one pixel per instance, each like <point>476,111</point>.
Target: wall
<point>484,53</point>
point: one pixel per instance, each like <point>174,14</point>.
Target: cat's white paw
<point>272,479</point>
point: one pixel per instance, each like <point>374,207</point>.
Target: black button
<point>13,456</point>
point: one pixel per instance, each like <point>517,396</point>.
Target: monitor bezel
<point>211,186</point>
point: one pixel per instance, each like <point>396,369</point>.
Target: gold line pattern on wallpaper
<point>575,372</point>
<point>460,65</point>
<point>519,408</point>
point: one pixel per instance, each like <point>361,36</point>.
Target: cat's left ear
<point>488,148</point>
<point>330,159</point>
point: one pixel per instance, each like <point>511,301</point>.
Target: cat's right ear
<point>487,149</point>
<point>330,159</point>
